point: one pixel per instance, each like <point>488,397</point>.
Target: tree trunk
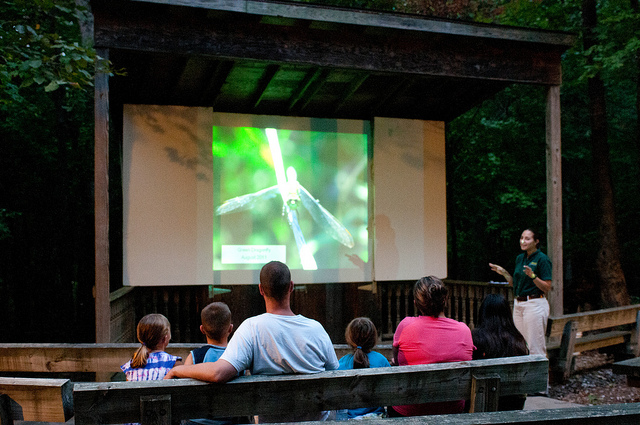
<point>613,286</point>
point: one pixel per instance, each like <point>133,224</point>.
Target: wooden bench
<point>631,368</point>
<point>612,327</point>
<point>363,386</point>
<point>27,399</point>
<point>481,381</point>
<point>611,414</point>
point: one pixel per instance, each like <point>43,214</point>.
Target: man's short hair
<point>216,318</point>
<point>275,278</point>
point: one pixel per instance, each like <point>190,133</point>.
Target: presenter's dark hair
<point>275,278</point>
<point>536,237</point>
<point>430,296</point>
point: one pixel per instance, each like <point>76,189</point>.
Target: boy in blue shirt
<point>216,326</point>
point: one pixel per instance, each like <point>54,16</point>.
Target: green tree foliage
<point>495,157</point>
<point>40,44</point>
<point>614,57</point>
<point>46,172</point>
<point>495,167</point>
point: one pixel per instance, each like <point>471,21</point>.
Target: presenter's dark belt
<point>529,297</point>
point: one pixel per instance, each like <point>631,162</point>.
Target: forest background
<point>496,170</point>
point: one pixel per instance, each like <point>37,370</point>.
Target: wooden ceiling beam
<point>263,83</point>
<point>387,51</point>
<point>308,80</point>
<point>353,87</point>
<point>329,16</point>
<point>219,76</point>
<point>392,91</point>
<point>310,88</point>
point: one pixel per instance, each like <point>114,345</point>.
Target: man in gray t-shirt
<point>276,342</point>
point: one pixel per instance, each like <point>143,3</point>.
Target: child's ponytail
<point>140,357</point>
<point>361,334</point>
<point>360,359</point>
<point>151,330</point>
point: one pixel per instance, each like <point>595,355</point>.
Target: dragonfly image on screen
<point>293,194</point>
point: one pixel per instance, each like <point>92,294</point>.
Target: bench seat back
<point>119,402</point>
<point>593,320</point>
<point>36,399</point>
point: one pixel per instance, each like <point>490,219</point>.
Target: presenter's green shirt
<point>540,264</point>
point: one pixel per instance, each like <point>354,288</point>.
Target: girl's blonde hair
<point>152,329</point>
<point>361,335</point>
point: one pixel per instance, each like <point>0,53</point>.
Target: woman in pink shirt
<point>430,338</point>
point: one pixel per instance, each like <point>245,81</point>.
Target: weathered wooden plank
<point>485,393</point>
<point>155,410</point>
<point>567,348</point>
<point>607,339</point>
<point>96,357</point>
<point>101,201</point>
<point>349,48</point>
<point>48,400</point>
<point>627,367</point>
<point>561,354</point>
<point>374,19</point>
<point>612,414</point>
<point>73,357</point>
<point>119,401</point>
<point>594,320</point>
<point>123,319</point>
<point>631,368</point>
<point>554,197</point>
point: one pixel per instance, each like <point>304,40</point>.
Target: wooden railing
<point>464,301</point>
<point>45,359</point>
<point>182,305</point>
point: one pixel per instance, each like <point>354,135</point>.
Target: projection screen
<point>211,197</point>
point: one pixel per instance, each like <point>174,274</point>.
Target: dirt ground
<point>594,383</point>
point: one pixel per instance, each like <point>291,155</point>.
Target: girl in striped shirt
<point>150,361</point>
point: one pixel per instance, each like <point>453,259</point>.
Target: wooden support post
<point>567,348</point>
<point>155,410</point>
<point>101,202</point>
<point>554,198</point>
<point>485,392</point>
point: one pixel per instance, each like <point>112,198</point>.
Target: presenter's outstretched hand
<point>498,269</point>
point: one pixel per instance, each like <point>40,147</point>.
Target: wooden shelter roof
<point>297,59</point>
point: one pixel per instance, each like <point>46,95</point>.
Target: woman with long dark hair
<point>496,336</point>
